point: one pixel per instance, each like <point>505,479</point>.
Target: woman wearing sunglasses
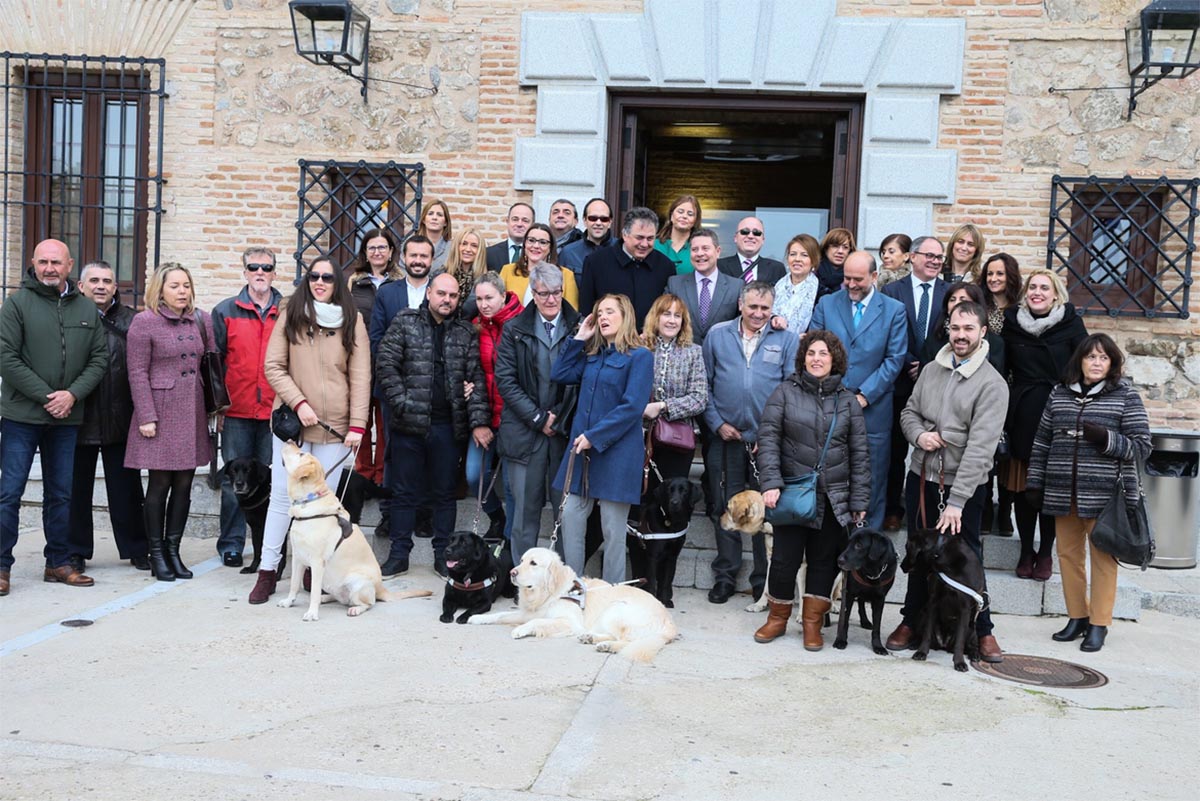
<point>319,363</point>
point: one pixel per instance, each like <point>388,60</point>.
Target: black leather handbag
<point>285,423</point>
<point>212,373</point>
<point>1122,529</point>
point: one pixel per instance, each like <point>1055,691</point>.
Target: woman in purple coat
<point>169,432</point>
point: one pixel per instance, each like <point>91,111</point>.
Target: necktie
<point>549,330</point>
<point>705,299</point>
<point>748,275</point>
<point>923,313</point>
<point>858,311</point>
<point>516,253</point>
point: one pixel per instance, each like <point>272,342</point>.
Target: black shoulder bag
<point>1122,529</point>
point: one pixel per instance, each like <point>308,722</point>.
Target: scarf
<point>328,315</point>
<point>1040,325</point>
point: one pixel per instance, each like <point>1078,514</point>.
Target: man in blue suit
<point>922,294</point>
<point>873,329</point>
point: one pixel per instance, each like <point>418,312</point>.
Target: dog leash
<point>941,487</point>
<point>562,504</point>
<point>483,493</point>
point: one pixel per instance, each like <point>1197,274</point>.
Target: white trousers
<point>276,528</point>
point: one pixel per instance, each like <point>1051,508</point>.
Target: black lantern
<point>333,32</point>
<point>1161,43</point>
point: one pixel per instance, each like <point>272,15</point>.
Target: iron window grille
<point>80,163</point>
<point>341,200</point>
<point>1124,246</point>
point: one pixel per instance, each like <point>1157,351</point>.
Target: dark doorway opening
<point>794,161</point>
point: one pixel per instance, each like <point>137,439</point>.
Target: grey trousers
<point>530,487</point>
<point>728,461</point>
<point>613,517</point>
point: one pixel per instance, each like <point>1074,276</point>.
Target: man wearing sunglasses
<point>242,325</point>
<point>597,218</point>
<point>748,263</point>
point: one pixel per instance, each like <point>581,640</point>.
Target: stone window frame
<point>1150,257</point>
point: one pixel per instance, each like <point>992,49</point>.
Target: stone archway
<point>772,46</point>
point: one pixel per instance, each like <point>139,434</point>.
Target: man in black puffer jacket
<point>425,362</point>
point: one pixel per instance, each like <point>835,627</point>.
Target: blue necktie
<point>549,331</point>
<point>858,311</point>
<point>923,313</point>
<point>705,300</point>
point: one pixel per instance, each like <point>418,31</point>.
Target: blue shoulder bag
<point>797,504</point>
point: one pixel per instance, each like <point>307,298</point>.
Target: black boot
<point>154,516</point>
<point>1094,639</point>
<point>1076,627</point>
<point>496,529</point>
<point>158,565</point>
<point>172,553</point>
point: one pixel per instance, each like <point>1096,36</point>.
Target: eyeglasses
<point>378,248</point>
<point>933,257</point>
<point>266,268</point>
<point>553,293</point>
<point>327,278</point>
<point>750,231</point>
<point>597,218</point>
<point>543,242</point>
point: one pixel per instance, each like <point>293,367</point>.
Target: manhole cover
<point>77,623</point>
<point>1042,671</point>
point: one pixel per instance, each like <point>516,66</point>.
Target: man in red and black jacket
<point>242,325</point>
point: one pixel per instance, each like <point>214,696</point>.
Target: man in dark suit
<point>872,328</point>
<point>748,264</point>
<point>922,294</point>
<point>631,267</point>
<point>520,217</point>
<point>719,291</point>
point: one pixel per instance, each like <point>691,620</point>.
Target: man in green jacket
<point>52,355</point>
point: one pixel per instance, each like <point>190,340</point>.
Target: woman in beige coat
<point>319,363</point>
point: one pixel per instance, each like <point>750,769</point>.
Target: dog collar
<point>577,594</point>
<point>654,535</point>
<point>470,586</point>
<point>310,497</point>
<point>876,581</point>
<point>963,588</point>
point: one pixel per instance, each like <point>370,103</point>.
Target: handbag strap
<point>828,437</point>
<point>200,321</point>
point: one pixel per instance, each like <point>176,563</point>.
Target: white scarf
<point>1040,325</point>
<point>328,315</point>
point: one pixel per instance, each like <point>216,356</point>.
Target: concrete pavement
<point>185,691</point>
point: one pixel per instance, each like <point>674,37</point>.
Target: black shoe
<point>496,527</point>
<point>721,593</point>
<point>1094,639</point>
<point>1076,627</point>
<point>140,562</point>
<point>232,559</point>
<point>439,566</point>
<point>77,562</point>
<point>394,566</point>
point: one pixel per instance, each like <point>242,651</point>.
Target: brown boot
<point>777,619</point>
<point>264,588</point>
<point>4,574</point>
<point>812,615</point>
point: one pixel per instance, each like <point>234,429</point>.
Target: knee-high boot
<point>154,515</point>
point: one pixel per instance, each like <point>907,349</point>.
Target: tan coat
<point>336,385</point>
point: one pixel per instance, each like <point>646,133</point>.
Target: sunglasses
<point>750,231</point>
<point>266,268</point>
<point>327,278</point>
<point>597,218</point>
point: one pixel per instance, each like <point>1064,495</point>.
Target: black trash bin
<point>1171,480</point>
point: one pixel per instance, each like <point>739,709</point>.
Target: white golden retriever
<point>554,602</point>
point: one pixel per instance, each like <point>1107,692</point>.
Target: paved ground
<point>185,691</point>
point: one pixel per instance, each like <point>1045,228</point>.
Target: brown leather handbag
<point>677,435</point>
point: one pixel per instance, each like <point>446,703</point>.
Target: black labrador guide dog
<point>957,593</point>
<point>869,562</point>
<point>477,576</point>
<point>251,482</point>
<point>661,527</point>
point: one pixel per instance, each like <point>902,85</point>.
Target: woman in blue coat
<point>616,375</point>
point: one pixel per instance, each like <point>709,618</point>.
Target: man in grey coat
<point>953,420</point>
<point>536,415</point>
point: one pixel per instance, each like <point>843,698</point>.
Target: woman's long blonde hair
<point>453,263</point>
<point>662,304</point>
<point>154,287</point>
<point>627,337</point>
<point>962,232</point>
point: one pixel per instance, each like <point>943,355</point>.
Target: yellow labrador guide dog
<point>322,537</point>
<point>554,602</point>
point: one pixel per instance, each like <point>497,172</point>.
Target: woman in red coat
<point>169,432</point>
<point>496,307</point>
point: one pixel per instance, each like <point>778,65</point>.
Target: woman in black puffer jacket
<point>1040,334</point>
<point>1093,422</point>
<point>795,424</point>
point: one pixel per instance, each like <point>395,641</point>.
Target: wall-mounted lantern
<point>335,33</point>
<point>1161,43</point>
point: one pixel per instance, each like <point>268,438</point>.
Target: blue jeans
<point>478,460</point>
<point>57,445</point>
<point>424,469</point>
<point>240,437</point>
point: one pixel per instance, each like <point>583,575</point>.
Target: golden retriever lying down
<point>343,565</point>
<point>554,602</point>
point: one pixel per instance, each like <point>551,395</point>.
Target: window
<point>340,201</point>
<point>85,174</point>
<point>1124,246</point>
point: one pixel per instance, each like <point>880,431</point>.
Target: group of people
<point>541,363</point>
